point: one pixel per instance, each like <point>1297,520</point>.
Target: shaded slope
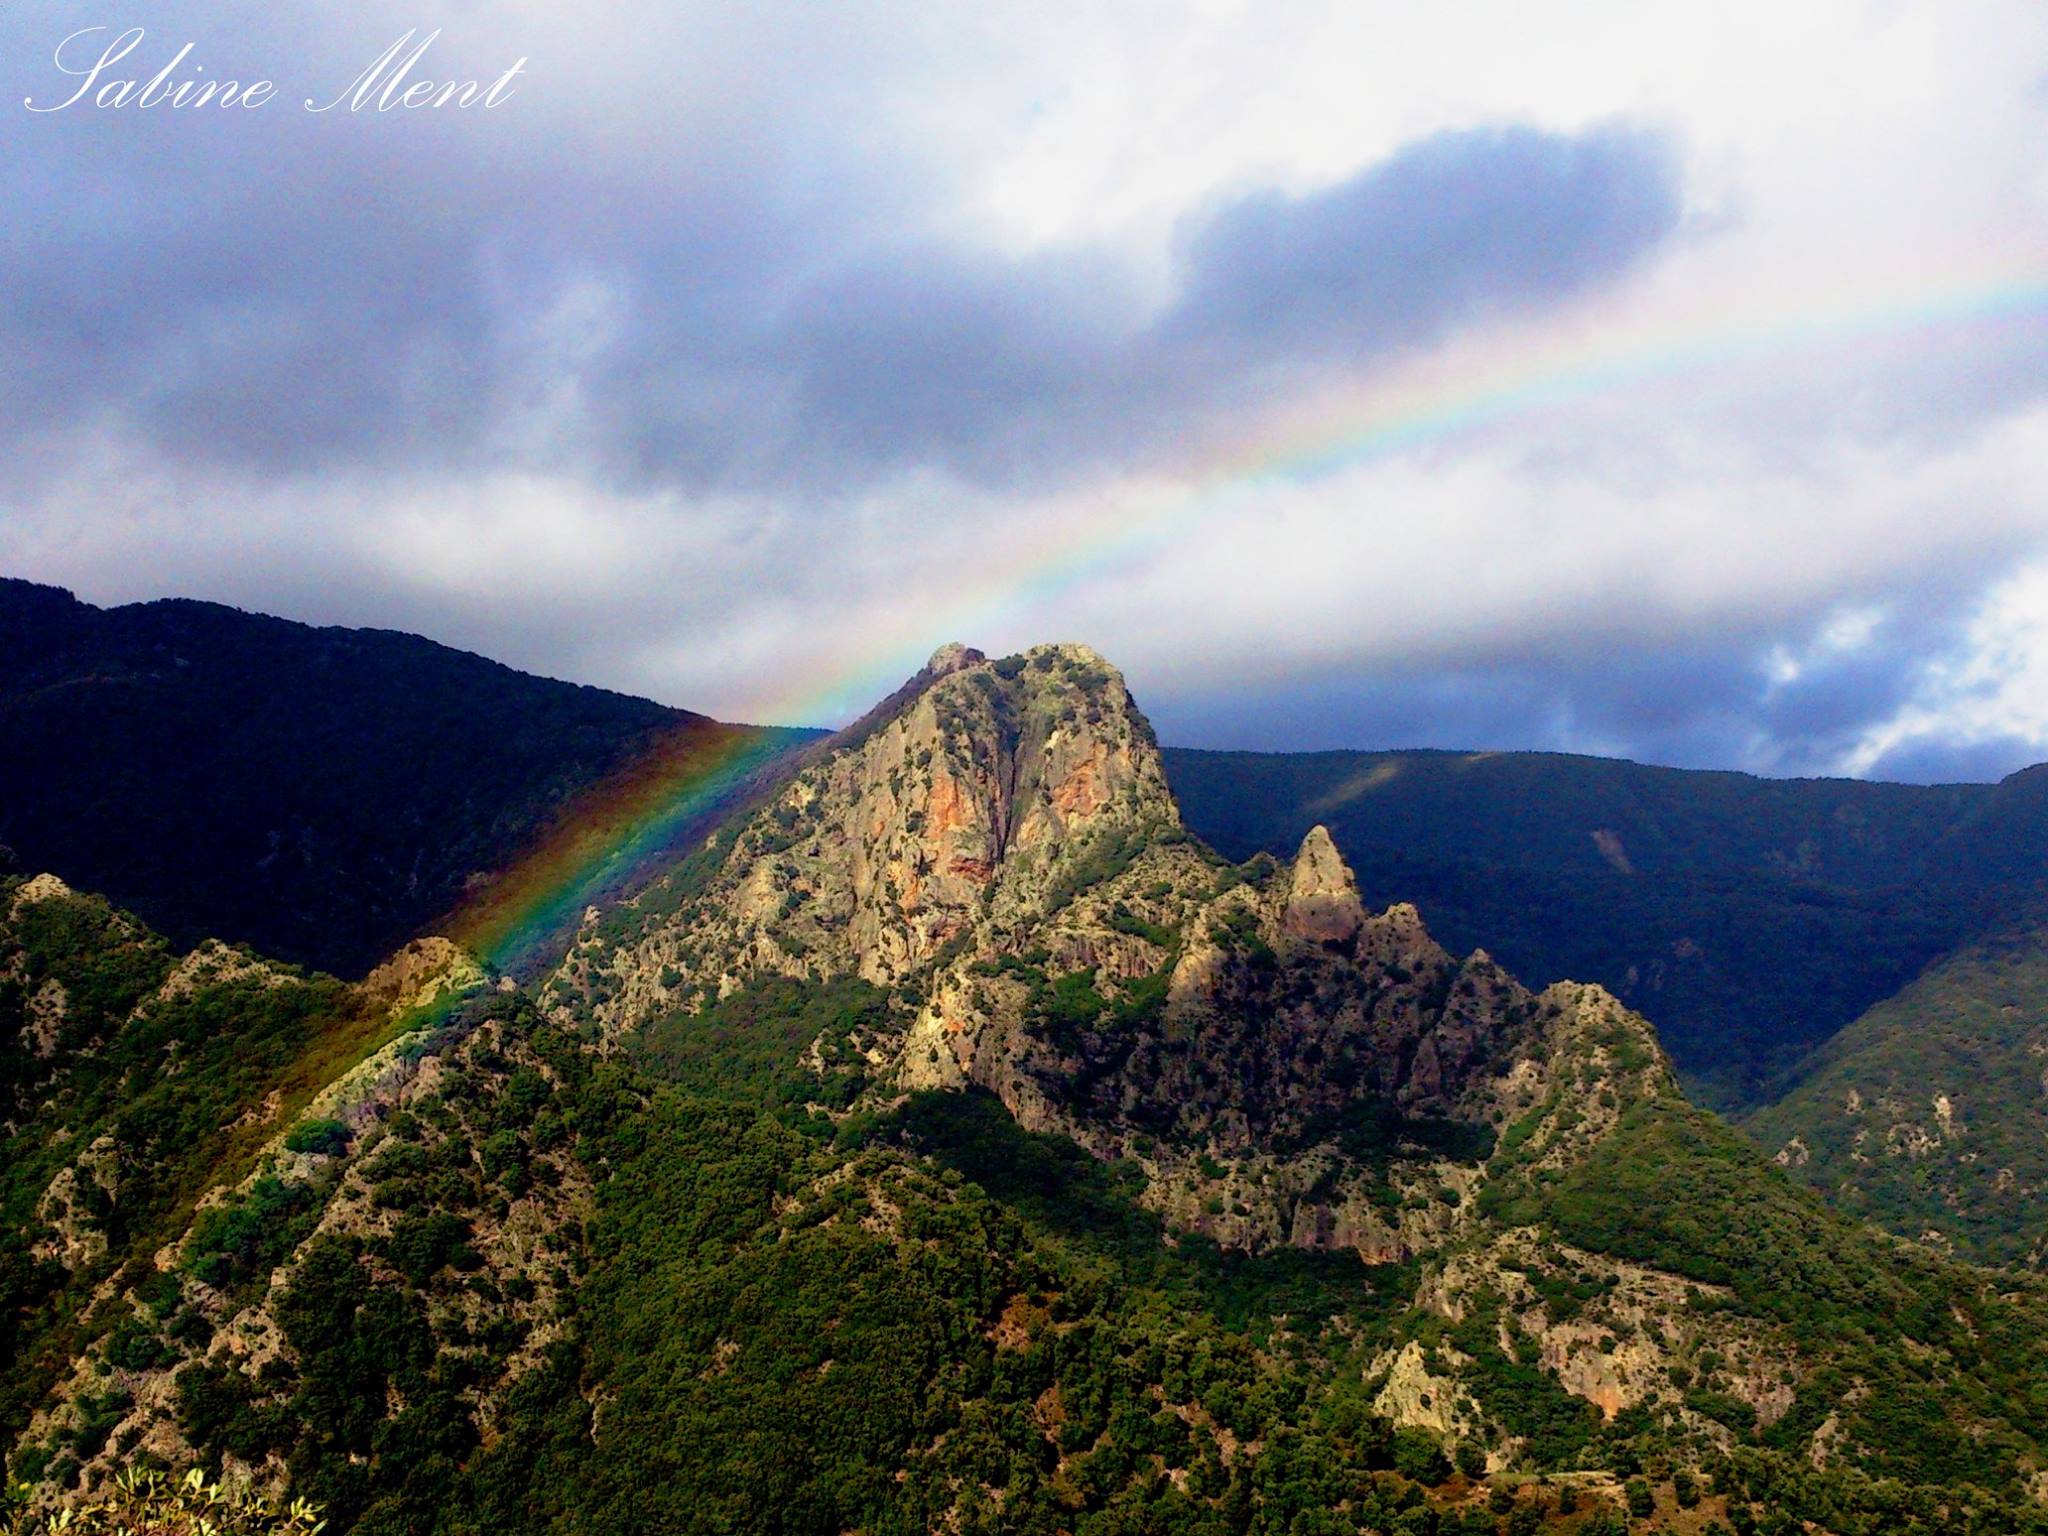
<point>322,794</point>
<point>133,1079</point>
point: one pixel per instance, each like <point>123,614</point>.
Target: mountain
<point>952,1141</point>
<point>1750,918</point>
<point>1929,1114</point>
<point>326,794</point>
<point>1006,851</point>
<point>137,1082</point>
<point>321,794</point>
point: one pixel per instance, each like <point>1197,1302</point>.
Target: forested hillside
<point>1929,1114</point>
<point>322,794</point>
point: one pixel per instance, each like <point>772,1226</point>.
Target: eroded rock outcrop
<point>1001,850</point>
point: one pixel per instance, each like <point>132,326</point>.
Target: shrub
<point>1418,1457</point>
<point>328,1138</point>
<point>1641,1502</point>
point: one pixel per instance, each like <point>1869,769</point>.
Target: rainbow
<point>612,837</point>
<point>1353,430</point>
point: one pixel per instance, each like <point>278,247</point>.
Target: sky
<point>1664,382</point>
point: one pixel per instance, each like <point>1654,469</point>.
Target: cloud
<point>751,351</point>
<point>1977,702</point>
<point>1043,366</point>
<point>1458,227</point>
<point>331,302</point>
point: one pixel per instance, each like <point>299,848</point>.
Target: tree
<point>1686,1487</point>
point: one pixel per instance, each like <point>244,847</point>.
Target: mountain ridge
<point>952,1140</point>
<point>322,793</point>
<point>1751,918</point>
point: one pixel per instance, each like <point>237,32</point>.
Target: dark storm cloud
<point>1457,227</point>
<point>762,303</point>
<point>1707,703</point>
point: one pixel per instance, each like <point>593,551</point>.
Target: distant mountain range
<point>1750,918</point>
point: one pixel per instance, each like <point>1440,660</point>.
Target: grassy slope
<point>1928,1114</point>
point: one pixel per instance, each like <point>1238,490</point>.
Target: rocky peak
<point>976,795</point>
<point>997,845</point>
<point>991,786</point>
<point>1323,904</point>
<point>37,888</point>
<point>950,658</point>
<point>427,968</point>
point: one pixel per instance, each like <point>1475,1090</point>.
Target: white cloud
<point>1992,688</point>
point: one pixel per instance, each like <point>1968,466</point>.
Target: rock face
<point>990,786</point>
<point>1001,849</point>
<point>1322,895</point>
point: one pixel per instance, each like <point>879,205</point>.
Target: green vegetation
<point>237,1034</point>
<point>1930,1366</point>
<point>394,1338</point>
<point>783,1317</point>
<point>749,1046</point>
<point>1123,920</point>
<point>698,1277</point>
<point>323,1138</point>
<point>1062,1191</point>
<point>1107,854</point>
<point>869,1337</point>
<point>144,1502</point>
<point>1926,1114</point>
<point>1557,1429</point>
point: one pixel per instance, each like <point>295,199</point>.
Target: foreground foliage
<point>147,1503</point>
